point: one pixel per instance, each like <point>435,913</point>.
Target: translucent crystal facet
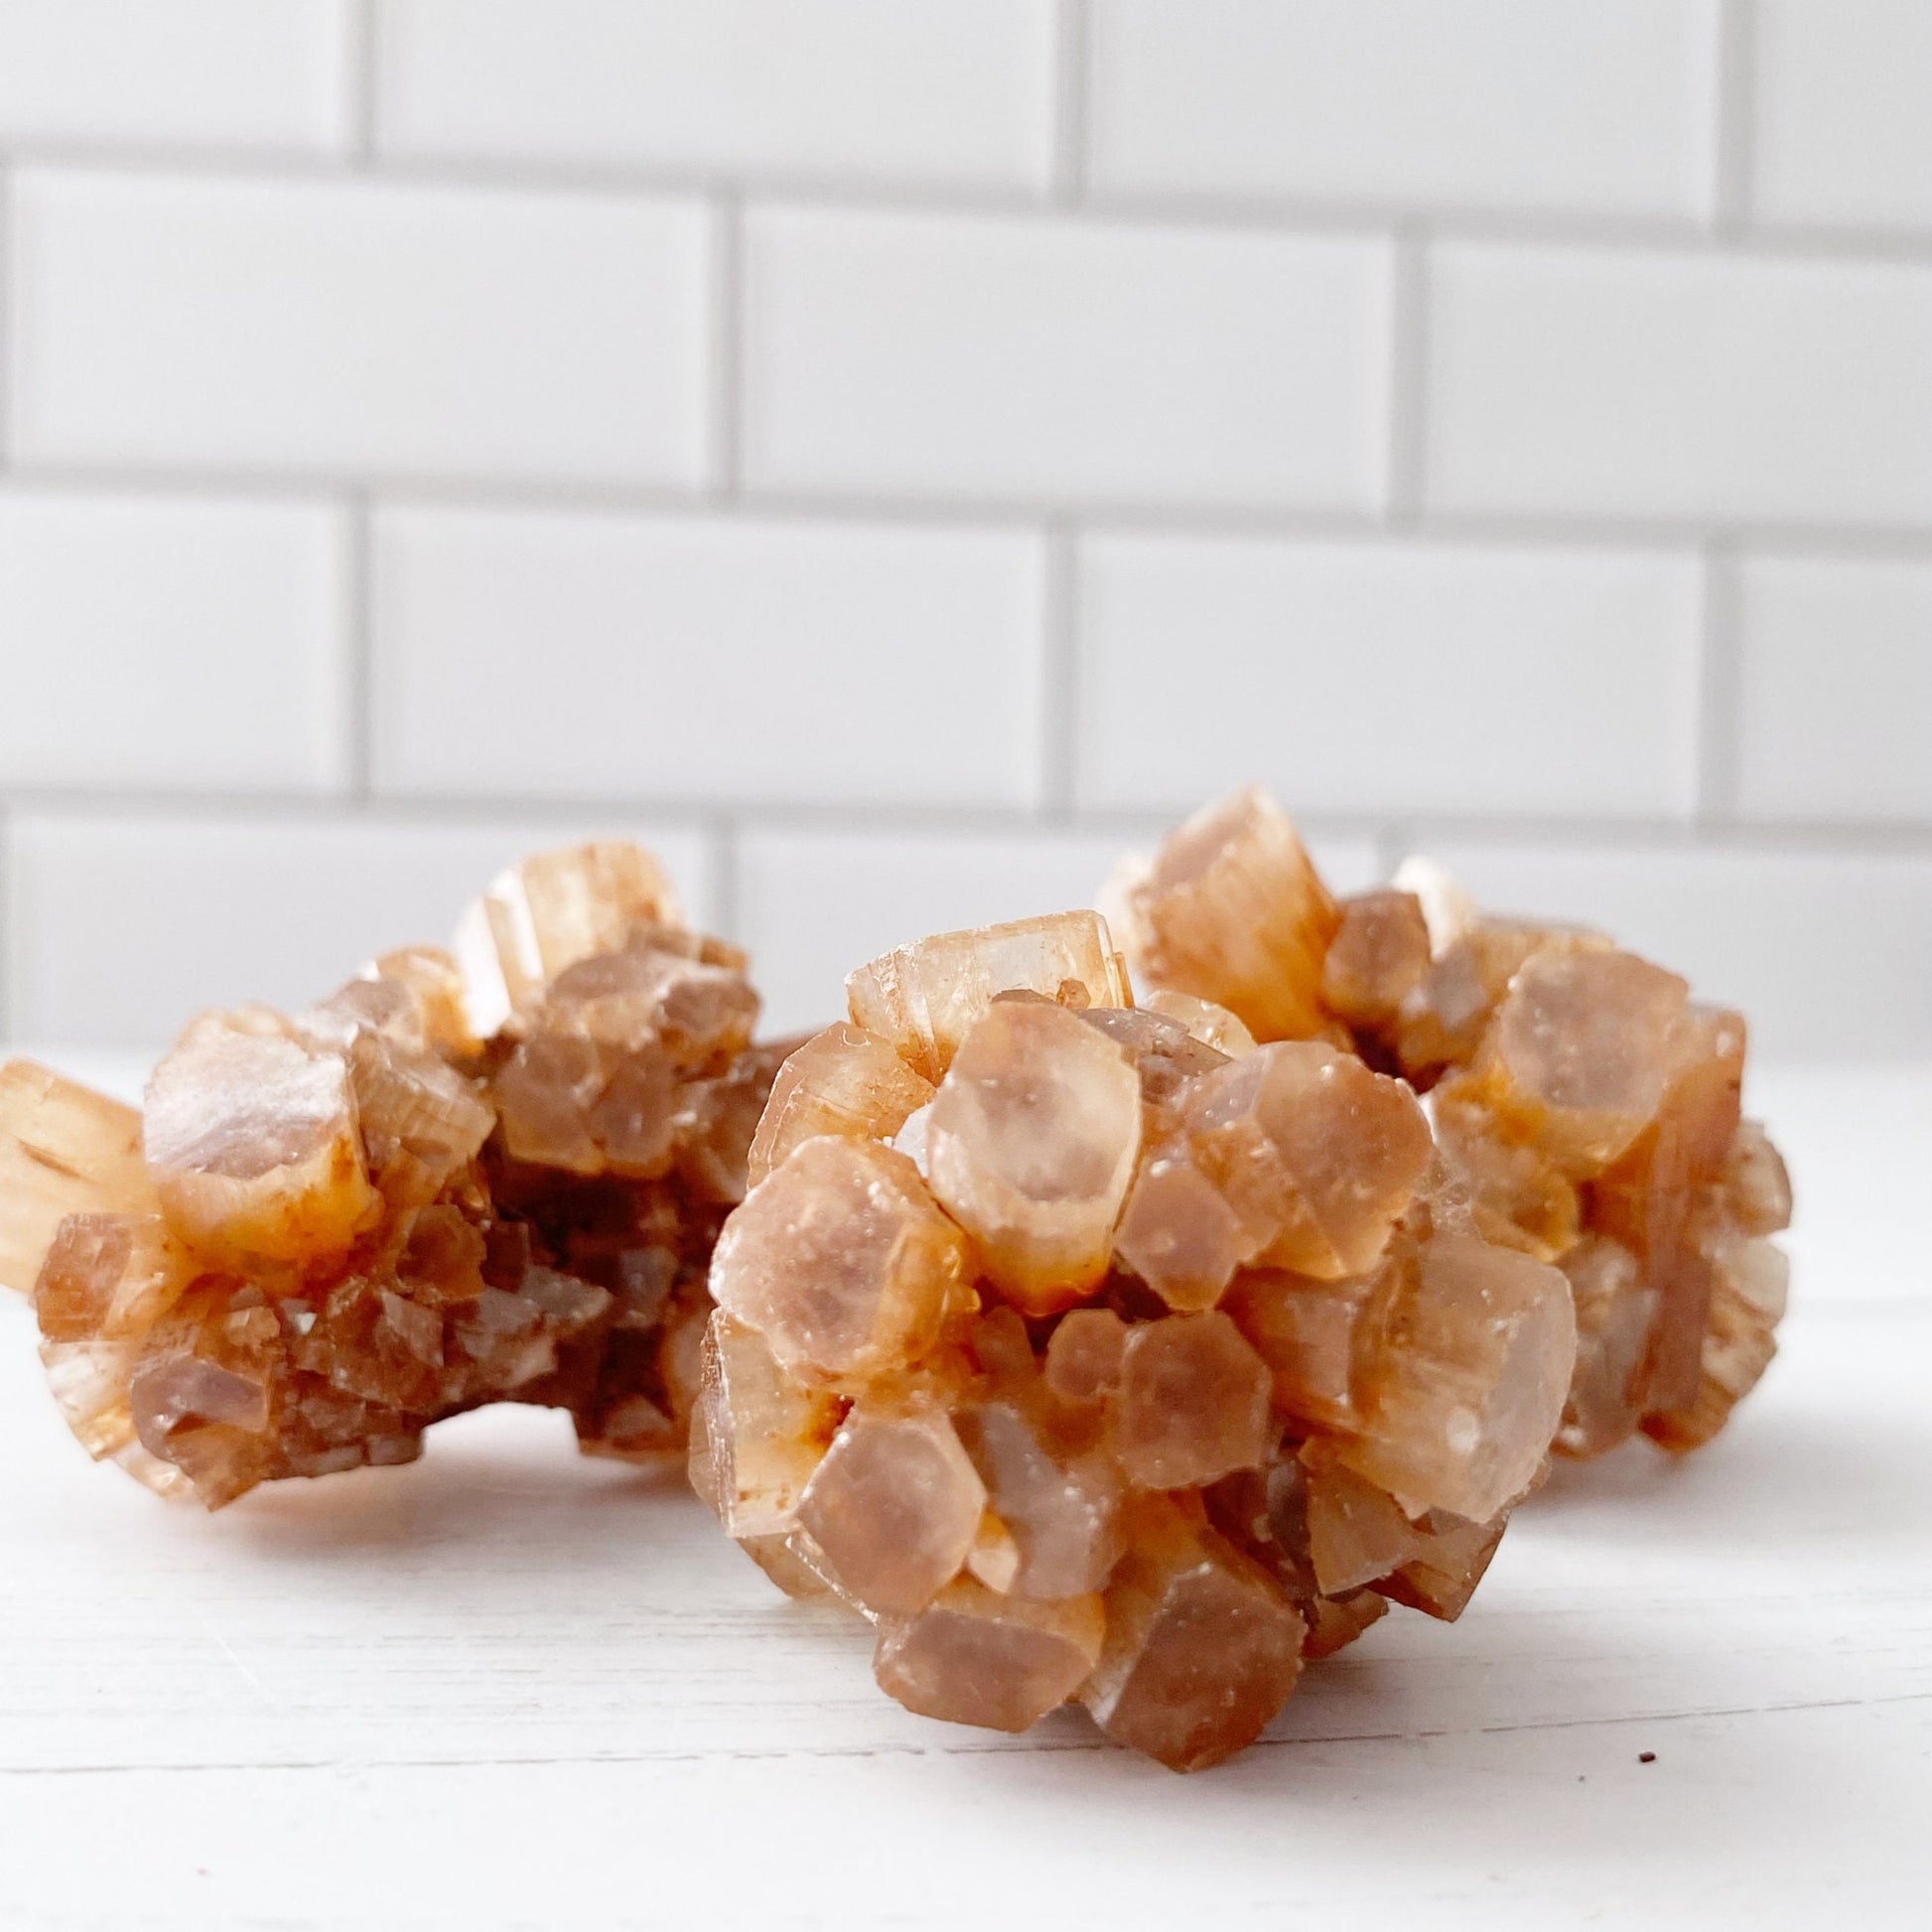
<point>841,1259</point>
<point>976,1657</point>
<point>1202,1647</point>
<point>842,1081</point>
<point>894,1508</point>
<point>328,1231</point>
<point>1031,1147</point>
<point>1170,1358</point>
<point>924,999</point>
<point>1233,910</point>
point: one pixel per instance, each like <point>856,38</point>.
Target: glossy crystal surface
<point>459,1179</point>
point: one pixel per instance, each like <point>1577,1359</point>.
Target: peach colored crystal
<point>1586,1112</point>
<point>442,1186</point>
<point>1077,1390</point>
<point>1097,1353</point>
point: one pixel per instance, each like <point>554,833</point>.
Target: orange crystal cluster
<point>1583,1104</point>
<point>488,1176</point>
<point>1096,1353</point>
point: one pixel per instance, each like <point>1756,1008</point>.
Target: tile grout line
<point>1719,690</point>
<point>725,346</point>
<point>358,651</point>
<point>1072,100</point>
<point>1058,675</point>
<point>363,29</point>
<point>1283,215</point>
<point>1906,841</point>
<point>938,510</point>
<point>8,292</point>
<point>1408,427</point>
<point>1736,128</point>
<point>10,959</point>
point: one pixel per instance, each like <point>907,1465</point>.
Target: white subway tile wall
<point>892,454</point>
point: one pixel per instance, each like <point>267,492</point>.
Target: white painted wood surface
<point>507,1687</point>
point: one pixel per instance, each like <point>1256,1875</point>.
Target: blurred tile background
<point>893,453</point>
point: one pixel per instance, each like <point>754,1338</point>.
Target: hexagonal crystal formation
<point>63,1150</point>
<point>841,1261</point>
<point>545,914</point>
<point>894,1508</point>
<point>1057,1500</point>
<point>1233,910</point>
<point>974,1657</point>
<point>1193,1401</point>
<point>1751,1281</point>
<point>1144,1448</point>
<point>1614,1314</point>
<point>1202,1647</point>
<point>1317,1155</point>
<point>1031,1145</point>
<point>1378,959</point>
<point>1180,1235</point>
<point>926,997</point>
<point>842,1081</point>
<point>1311,1335</point>
<point>765,1434</point>
<point>1578,1054</point>
<point>1205,1021</point>
<point>254,1144</point>
<point>350,1223</point>
<point>1466,1376</point>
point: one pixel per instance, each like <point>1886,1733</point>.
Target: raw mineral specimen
<point>493,1176</point>
<point>1586,1109</point>
<point>1095,1352</point>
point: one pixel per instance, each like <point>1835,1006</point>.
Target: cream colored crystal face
<point>63,1150</point>
<point>1031,1145</point>
<point>333,1229</point>
<point>842,1081</point>
<point>924,999</point>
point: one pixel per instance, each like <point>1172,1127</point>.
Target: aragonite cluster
<point>1095,1351</point>
<point>1583,1104</point>
<point>493,1174</point>
<point>1134,1354</point>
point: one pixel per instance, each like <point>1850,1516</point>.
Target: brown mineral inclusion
<point>1137,1354</point>
<point>489,1177</point>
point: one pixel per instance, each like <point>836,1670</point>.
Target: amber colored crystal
<point>63,1150</point>
<point>545,914</point>
<point>1169,1358</point>
<point>1586,1114</point>
<point>1464,1376</point>
<point>1317,1155</point>
<point>1233,910</point>
<point>1193,1401</point>
<point>324,1233</point>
